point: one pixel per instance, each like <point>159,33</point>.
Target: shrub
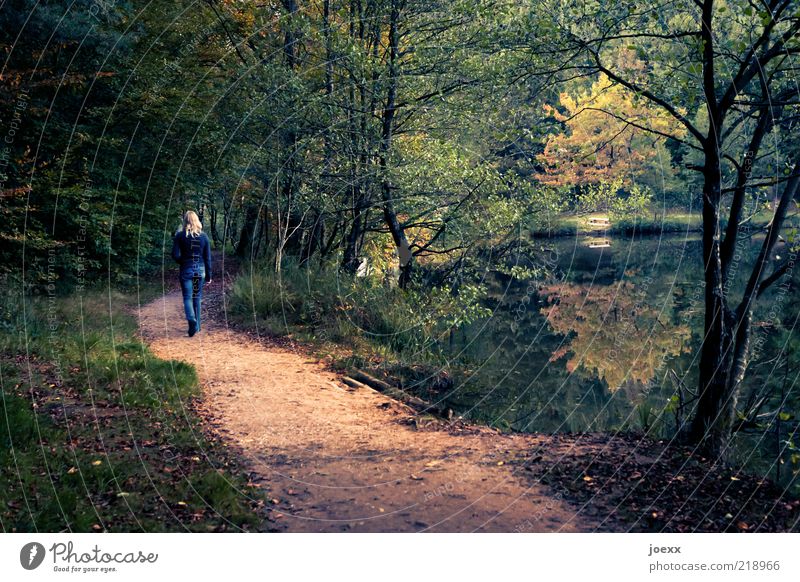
<point>328,304</point>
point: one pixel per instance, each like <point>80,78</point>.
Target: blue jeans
<point>192,288</point>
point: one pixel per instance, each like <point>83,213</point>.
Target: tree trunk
<point>350,257</point>
<point>245,244</point>
<point>405,256</point>
<point>290,36</point>
<point>212,223</point>
<point>289,187</point>
<point>711,425</point>
<point>311,238</point>
<point>726,346</point>
<point>357,166</point>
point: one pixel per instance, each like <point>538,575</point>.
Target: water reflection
<point>597,243</point>
<point>604,341</point>
<point>617,333</point>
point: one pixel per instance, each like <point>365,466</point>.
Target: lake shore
<point>418,472</point>
<point>565,225</point>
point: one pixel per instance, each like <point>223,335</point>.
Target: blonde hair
<point>191,223</point>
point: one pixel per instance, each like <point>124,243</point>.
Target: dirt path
<point>344,460</point>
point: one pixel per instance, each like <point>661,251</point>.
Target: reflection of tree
<point>615,331</point>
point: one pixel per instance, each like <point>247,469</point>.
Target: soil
<point>334,458</point>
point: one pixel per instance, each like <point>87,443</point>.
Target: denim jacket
<point>193,253</point>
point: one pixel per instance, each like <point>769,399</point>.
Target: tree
<point>608,135</point>
<point>49,75</point>
<point>724,71</point>
<point>116,133</point>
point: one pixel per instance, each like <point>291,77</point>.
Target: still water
<point>604,338</point>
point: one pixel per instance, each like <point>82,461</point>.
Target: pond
<point>607,340</point>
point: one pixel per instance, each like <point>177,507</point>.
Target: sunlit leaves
<point>608,135</point>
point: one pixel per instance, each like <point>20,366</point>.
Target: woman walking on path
<point>192,250</point>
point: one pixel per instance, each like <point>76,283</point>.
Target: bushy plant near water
<point>612,198</point>
<point>635,203</point>
<point>326,303</point>
<point>597,197</point>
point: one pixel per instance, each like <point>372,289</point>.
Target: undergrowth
<point>402,332</point>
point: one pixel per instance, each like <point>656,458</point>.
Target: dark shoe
<point>192,328</point>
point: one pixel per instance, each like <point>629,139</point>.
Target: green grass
<point>357,322</point>
<point>96,433</point>
<point>671,222</point>
<point>319,303</point>
<point>572,224</point>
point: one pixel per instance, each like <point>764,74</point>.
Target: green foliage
<point>100,109</point>
<point>635,203</point>
<point>329,306</point>
<point>311,132</point>
<point>598,197</point>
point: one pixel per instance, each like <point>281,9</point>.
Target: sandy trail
<point>344,460</point>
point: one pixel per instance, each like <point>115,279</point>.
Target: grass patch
<point>573,224</point>
<point>671,222</point>
<point>358,322</point>
<point>98,434</point>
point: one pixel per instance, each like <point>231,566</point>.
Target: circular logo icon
<point>31,555</point>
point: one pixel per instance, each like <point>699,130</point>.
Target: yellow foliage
<point>608,134</point>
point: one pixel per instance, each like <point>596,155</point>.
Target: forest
<point>599,197</point>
